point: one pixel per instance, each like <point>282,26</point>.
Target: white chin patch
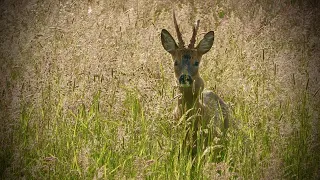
<point>185,85</point>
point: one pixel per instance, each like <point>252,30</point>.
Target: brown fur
<point>207,107</point>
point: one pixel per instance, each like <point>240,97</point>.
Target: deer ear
<point>168,42</point>
<point>206,43</point>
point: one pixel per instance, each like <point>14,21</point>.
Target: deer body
<point>208,107</point>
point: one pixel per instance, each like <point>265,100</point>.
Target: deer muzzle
<point>185,80</point>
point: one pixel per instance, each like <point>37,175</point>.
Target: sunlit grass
<point>85,143</point>
<point>93,93</point>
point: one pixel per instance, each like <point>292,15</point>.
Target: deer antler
<point>194,34</point>
<point>181,43</point>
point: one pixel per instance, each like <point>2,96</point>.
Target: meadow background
<point>87,90</point>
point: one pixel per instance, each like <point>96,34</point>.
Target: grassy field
<point>87,91</point>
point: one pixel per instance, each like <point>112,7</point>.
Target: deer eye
<point>175,63</point>
<point>196,63</point>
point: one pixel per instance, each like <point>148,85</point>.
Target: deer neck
<point>190,95</point>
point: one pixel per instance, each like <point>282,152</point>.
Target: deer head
<point>187,59</point>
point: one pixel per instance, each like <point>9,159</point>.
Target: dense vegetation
<point>87,91</point>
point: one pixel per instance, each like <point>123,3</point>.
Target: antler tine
<point>194,34</point>
<point>181,43</point>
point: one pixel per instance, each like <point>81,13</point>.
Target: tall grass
<point>91,91</point>
<point>86,143</point>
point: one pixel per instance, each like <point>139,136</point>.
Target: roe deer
<point>205,106</point>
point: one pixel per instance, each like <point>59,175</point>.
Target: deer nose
<point>185,80</point>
